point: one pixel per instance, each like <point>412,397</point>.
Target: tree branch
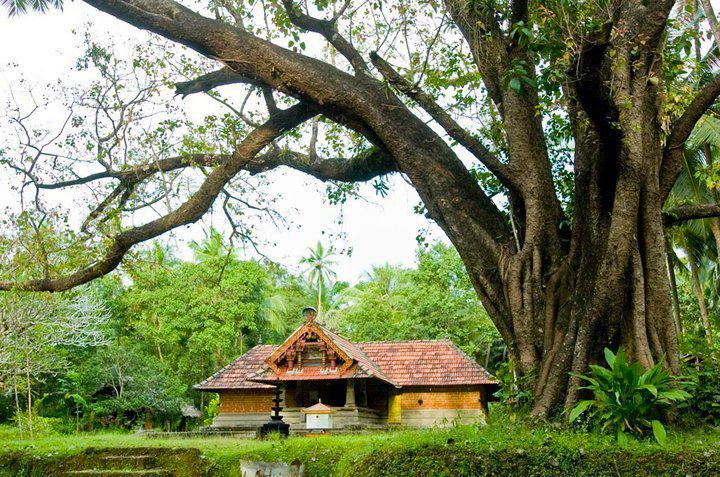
<point>210,81</point>
<point>327,29</point>
<point>680,130</point>
<point>690,212</point>
<point>451,127</point>
<point>712,20</point>
<point>363,167</point>
<point>190,211</point>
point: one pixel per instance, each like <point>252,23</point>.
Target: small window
<point>420,402</point>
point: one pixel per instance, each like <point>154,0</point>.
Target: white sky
<point>379,230</point>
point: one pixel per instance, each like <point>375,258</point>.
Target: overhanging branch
<point>327,28</point>
<point>680,131</point>
<point>684,213</point>
<point>190,211</point>
<point>365,166</point>
<point>451,127</point>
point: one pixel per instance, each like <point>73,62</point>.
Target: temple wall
<point>429,406</point>
<point>243,408</point>
<point>240,420</point>
<point>441,397</point>
<point>246,400</point>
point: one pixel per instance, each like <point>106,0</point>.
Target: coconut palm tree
<point>213,247</point>
<point>274,310</point>
<point>319,270</point>
<point>699,241</point>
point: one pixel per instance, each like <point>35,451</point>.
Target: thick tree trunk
<point>583,313</point>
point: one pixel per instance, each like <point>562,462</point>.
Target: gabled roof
<point>400,363</point>
<point>367,367</point>
<point>355,363</point>
<point>322,334</point>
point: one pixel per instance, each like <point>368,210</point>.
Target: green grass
<point>501,448</point>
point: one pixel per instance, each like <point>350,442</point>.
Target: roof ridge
<point>376,368</point>
<point>444,340</point>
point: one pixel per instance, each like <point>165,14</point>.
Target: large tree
<point>565,267</point>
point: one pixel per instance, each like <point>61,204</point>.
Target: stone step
<point>126,462</point>
<point>120,473</point>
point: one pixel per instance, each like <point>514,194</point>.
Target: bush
<point>42,426</point>
<point>626,399</point>
<point>703,375</point>
<point>513,391</point>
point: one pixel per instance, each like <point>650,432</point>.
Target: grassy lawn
<point>501,447</point>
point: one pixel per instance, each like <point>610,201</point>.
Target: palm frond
<point>17,7</point>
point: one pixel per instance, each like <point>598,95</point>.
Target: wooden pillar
<point>350,393</point>
<point>394,408</point>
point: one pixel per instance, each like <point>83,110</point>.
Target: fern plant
<point>627,399</point>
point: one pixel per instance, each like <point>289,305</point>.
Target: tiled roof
<point>234,375</point>
<point>401,363</point>
<point>367,368</point>
<point>426,363</point>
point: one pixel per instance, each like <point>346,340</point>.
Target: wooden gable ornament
<point>310,337</point>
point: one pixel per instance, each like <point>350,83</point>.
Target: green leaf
<point>621,436</point>
<point>653,390</point>
<point>659,431</point>
<point>515,85</point>
<point>580,408</point>
<point>675,395</point>
<point>609,357</point>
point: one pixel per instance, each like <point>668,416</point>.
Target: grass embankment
<point>500,448</point>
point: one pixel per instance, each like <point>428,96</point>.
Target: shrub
<point>513,391</point>
<point>626,399</point>
<point>703,375</point>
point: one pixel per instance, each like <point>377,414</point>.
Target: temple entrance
<point>306,393</point>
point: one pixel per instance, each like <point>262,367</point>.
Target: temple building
<point>329,382</point>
